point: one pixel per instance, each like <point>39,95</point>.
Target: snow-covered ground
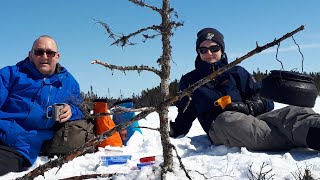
<point>202,159</point>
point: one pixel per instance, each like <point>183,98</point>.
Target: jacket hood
<point>205,68</point>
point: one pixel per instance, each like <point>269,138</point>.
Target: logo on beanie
<point>209,36</point>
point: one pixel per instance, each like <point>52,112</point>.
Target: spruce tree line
<point>151,97</point>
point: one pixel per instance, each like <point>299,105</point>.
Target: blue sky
<point>81,40</point>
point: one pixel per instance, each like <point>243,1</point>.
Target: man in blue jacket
<point>248,121</point>
<point>26,90</point>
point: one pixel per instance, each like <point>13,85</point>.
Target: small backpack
<point>69,136</point>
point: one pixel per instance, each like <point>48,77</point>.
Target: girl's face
<point>209,51</point>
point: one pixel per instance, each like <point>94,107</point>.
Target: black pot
<point>289,88</point>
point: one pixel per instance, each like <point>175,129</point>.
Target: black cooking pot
<point>289,88</point>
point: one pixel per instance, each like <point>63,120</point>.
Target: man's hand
<point>65,113</point>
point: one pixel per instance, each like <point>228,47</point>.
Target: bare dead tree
<point>165,30</point>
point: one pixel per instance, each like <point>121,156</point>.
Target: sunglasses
<point>214,48</point>
<point>40,52</point>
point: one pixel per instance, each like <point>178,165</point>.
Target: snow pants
<point>281,129</point>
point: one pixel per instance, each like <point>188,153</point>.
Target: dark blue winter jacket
<point>24,96</point>
<point>236,82</point>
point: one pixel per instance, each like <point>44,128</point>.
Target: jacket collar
<point>205,68</point>
<point>28,67</point>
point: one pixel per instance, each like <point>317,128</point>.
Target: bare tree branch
<point>107,28</point>
<point>176,24</point>
<point>122,39</point>
<point>89,176</point>
<point>180,162</point>
<point>128,68</point>
<point>120,109</point>
<point>125,39</point>
<point>155,129</point>
<point>146,36</point>
<point>143,4</point>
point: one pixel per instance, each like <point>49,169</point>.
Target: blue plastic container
<point>140,165</point>
<point>110,160</point>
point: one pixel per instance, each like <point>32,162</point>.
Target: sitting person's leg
<point>239,130</point>
<point>10,160</point>
<point>294,122</point>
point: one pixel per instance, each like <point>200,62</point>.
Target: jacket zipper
<point>49,95</point>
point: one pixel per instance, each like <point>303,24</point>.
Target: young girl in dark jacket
<point>248,121</point>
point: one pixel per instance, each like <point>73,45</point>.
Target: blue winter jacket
<point>24,96</point>
<point>236,82</point>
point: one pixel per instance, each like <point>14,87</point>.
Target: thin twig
<point>188,103</point>
<point>155,129</point>
<point>302,57</point>
<point>278,46</point>
<point>180,161</point>
<point>125,39</point>
<point>89,176</point>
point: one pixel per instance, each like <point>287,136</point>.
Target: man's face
<point>44,55</point>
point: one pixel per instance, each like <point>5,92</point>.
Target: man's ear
<point>29,54</point>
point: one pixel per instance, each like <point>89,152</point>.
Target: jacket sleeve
<point>249,88</point>
<point>76,102</point>
<point>184,119</point>
<point>4,84</point>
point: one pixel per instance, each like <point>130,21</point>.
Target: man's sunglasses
<point>214,48</point>
<point>40,52</point>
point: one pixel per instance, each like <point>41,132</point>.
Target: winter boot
<point>313,138</point>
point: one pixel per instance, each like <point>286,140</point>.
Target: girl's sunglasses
<point>214,48</point>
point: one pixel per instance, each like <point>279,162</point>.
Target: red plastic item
<point>147,159</point>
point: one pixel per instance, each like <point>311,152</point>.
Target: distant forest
<point>151,97</point>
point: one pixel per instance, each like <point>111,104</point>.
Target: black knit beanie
<point>210,34</point>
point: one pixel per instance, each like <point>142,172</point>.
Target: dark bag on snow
<point>69,136</point>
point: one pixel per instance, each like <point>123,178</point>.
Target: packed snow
<point>202,159</point>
